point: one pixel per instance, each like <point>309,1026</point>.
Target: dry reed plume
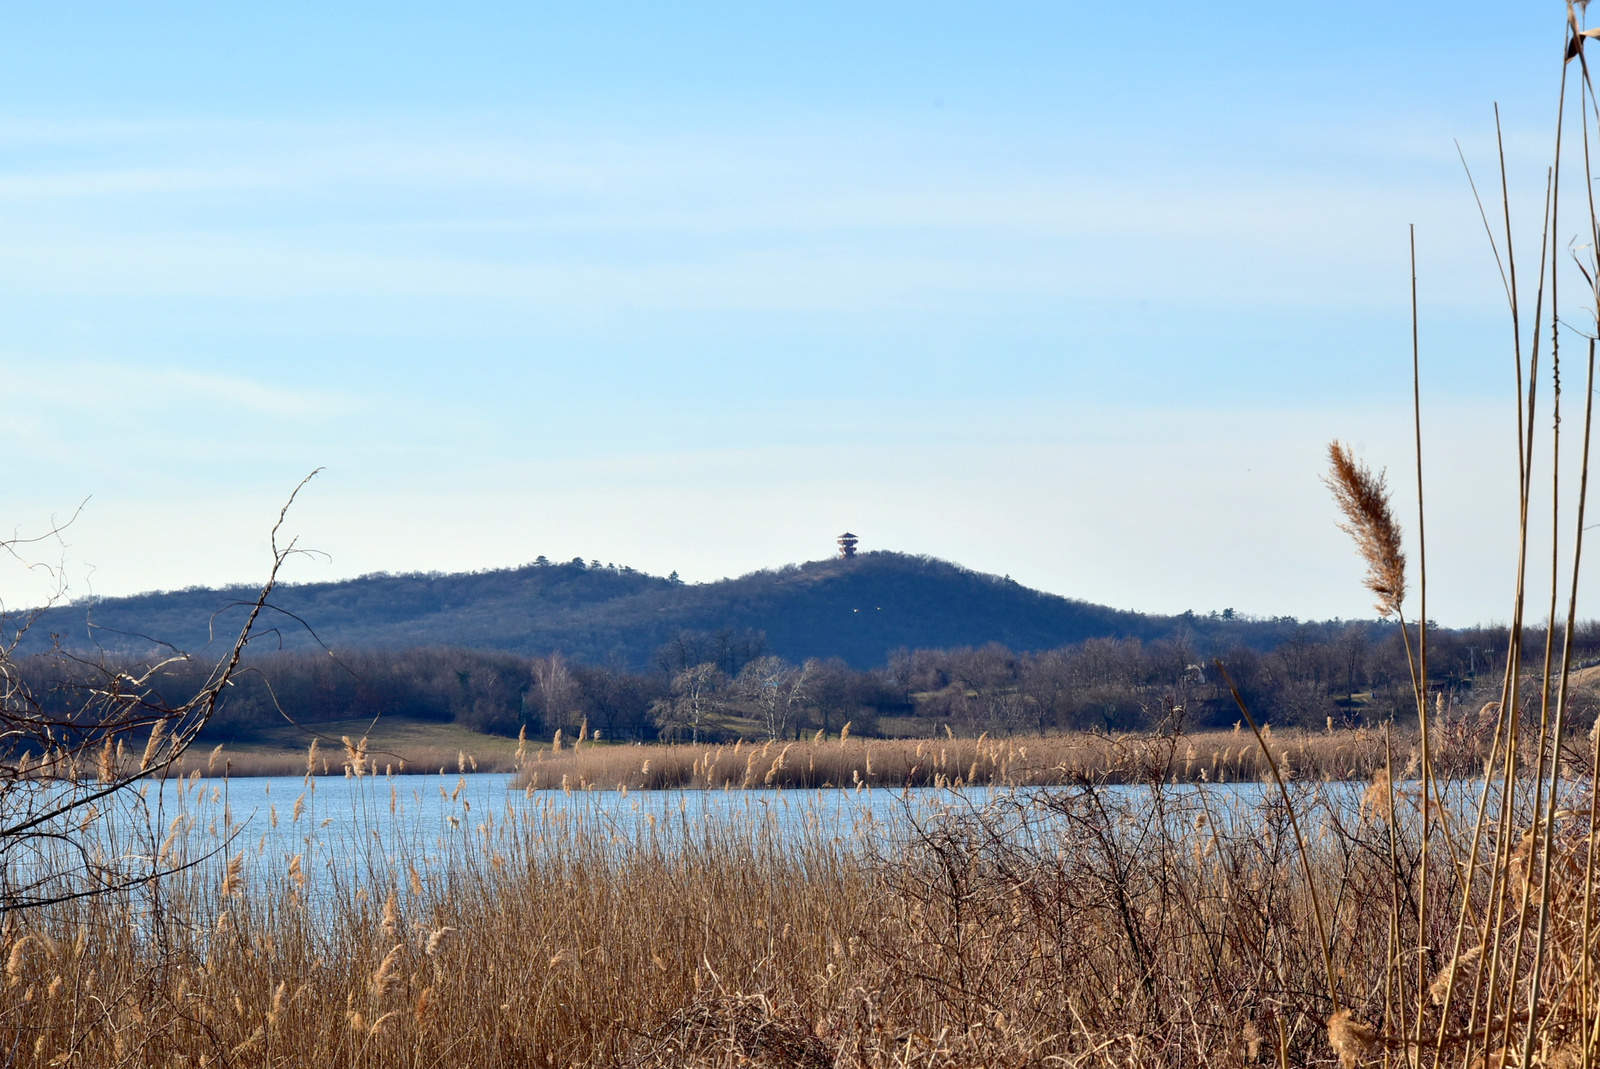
<point>1364,499</point>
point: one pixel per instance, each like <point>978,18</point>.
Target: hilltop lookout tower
<point>847,545</point>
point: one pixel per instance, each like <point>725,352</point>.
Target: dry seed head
<point>1252,1040</point>
<point>439,940</point>
<point>311,759</point>
<point>1441,982</point>
<point>17,961</point>
<point>1350,1039</point>
<point>391,914</point>
<point>416,881</point>
<point>424,1001</point>
<point>154,745</point>
<point>356,753</point>
<point>277,1002</point>
<point>1376,798</point>
<point>233,880</point>
<point>250,1041</point>
<point>387,977</point>
<point>1364,499</point>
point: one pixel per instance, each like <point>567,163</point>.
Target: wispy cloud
<point>814,217</point>
<point>117,391</point>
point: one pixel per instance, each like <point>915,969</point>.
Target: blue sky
<point>1075,293</point>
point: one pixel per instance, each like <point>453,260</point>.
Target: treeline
<point>1352,674</point>
<point>720,685</point>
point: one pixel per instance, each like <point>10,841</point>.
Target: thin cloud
<point>92,388</point>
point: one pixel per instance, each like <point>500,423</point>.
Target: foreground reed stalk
<point>1522,904</point>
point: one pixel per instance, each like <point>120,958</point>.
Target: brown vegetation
<point>1088,925</point>
<point>1013,761</point>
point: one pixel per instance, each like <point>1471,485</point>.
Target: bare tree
<point>73,751</point>
<point>558,690</point>
<point>694,696</point>
<point>777,689</point>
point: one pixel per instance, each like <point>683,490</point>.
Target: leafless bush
<point>73,752</point>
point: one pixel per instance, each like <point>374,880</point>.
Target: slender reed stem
<point>1423,963</point>
<point>1544,723</point>
<point>1300,842</point>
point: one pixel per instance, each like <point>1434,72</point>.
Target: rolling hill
<point>857,609</point>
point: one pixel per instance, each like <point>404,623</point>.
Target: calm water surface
<point>347,829</point>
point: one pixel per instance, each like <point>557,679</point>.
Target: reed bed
<point>1086,925</point>
<point>399,760</point>
<point>1004,761</point>
<point>343,758</point>
<point>1008,761</point>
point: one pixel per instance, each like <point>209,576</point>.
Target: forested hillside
<point>891,643</point>
<point>857,610</point>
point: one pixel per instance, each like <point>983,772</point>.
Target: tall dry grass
<point>1009,761</point>
<point>1096,924</point>
<point>339,758</point>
